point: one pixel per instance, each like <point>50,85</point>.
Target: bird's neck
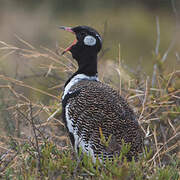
<point>87,65</point>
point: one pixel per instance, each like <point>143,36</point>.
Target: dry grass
<point>34,126</point>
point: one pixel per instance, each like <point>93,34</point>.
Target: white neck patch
<point>75,80</point>
<point>89,40</point>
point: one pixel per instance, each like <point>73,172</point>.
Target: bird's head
<point>88,41</point>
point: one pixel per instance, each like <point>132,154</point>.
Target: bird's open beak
<point>69,29</point>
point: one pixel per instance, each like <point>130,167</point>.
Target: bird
<point>97,118</point>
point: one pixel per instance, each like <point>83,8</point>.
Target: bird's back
<point>93,109</point>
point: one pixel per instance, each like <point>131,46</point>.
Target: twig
<point>168,50</point>
<point>177,56</point>
<point>173,41</point>
<point>7,54</point>
<point>4,155</point>
<point>53,114</point>
<point>165,96</point>
<point>170,79</point>
<point>170,148</point>
<point>158,36</point>
<point>56,86</point>
<point>144,100</point>
<point>156,52</point>
<point>154,156</point>
<point>156,143</point>
<point>169,121</point>
<point>20,83</point>
<point>36,141</point>
<point>104,50</point>
<point>7,163</point>
<point>24,42</point>
<point>154,75</point>
<point>29,120</point>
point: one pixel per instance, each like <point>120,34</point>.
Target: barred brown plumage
<point>92,109</point>
<point>98,105</point>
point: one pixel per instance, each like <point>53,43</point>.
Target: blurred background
<point>130,24</point>
<point>128,28</point>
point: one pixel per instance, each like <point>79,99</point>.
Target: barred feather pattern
<point>98,106</point>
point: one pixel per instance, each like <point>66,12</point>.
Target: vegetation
<point>33,140</point>
<point>37,145</point>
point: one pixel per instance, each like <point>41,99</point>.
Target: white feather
<point>75,80</point>
<point>79,142</point>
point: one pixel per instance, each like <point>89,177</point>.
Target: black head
<point>87,40</point>
<point>84,49</point>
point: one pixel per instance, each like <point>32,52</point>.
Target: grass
<point>56,163</point>
<point>35,143</point>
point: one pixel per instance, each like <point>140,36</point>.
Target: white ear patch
<point>89,40</point>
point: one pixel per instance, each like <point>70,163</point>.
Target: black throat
<point>86,65</point>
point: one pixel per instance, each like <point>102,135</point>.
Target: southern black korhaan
<point>92,109</point>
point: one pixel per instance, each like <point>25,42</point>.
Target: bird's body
<point>92,109</point>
